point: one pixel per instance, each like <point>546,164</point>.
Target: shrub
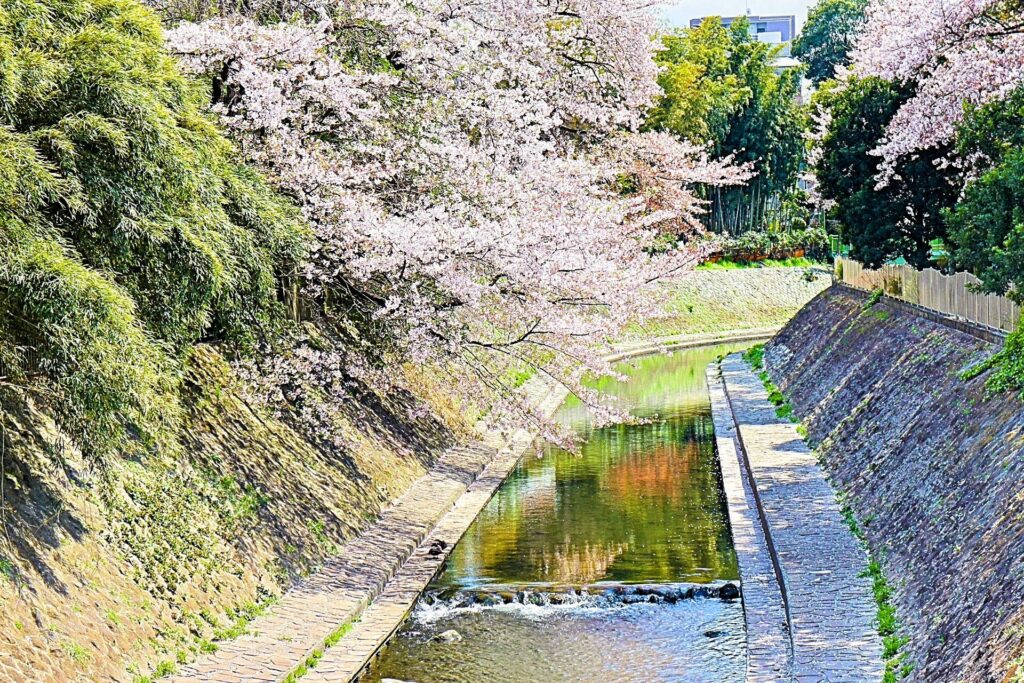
<point>127,229</point>
<point>1007,367</point>
<point>760,245</point>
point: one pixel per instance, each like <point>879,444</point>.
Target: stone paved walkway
<point>769,647</point>
<point>829,603</point>
<point>307,615</point>
<point>353,653</point>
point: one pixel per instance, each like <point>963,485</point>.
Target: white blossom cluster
<point>472,172</point>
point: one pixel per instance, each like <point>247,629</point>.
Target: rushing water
<point>598,566</point>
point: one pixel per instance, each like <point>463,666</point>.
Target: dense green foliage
<point>987,225</point>
<point>1007,367</point>
<point>702,91</point>
<point>127,230</point>
<point>721,89</point>
<point>880,222</point>
<point>759,244</point>
<point>826,39</point>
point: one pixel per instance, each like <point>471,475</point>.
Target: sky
<point>679,12</point>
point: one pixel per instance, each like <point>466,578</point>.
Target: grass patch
<point>888,623</point>
<point>7,570</point>
<point>78,654</point>
<point>872,299</point>
<point>1007,367</point>
<point>318,653</point>
<point>755,359</point>
<point>710,301</point>
<point>241,618</point>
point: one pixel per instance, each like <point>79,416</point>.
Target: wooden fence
<point>952,295</point>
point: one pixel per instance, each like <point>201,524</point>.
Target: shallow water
<point>543,585</point>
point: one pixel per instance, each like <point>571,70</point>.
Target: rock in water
<point>729,592</point>
<point>449,636</point>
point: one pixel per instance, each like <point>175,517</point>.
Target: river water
<point>597,566</point>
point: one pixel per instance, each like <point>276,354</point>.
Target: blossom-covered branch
<point>956,53</point>
<point>470,169</point>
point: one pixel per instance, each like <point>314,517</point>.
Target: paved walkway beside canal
<point>297,626</point>
<point>828,605</point>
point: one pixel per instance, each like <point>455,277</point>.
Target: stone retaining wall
<point>933,468</point>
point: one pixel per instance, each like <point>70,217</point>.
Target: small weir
<point>614,564</point>
<point>597,595</point>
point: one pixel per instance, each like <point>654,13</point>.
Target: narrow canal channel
<point>598,566</point>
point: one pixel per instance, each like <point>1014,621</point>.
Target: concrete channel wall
<point>932,466</point>
<point>330,627</point>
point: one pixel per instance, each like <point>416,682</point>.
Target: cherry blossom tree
<point>480,198</point>
<point>957,53</point>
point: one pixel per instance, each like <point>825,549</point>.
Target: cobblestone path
<point>300,623</point>
<point>769,647</point>
<point>829,603</point>
<point>351,655</point>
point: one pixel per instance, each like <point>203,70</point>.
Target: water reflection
<point>641,504</point>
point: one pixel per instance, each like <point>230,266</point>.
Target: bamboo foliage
<point>954,295</point>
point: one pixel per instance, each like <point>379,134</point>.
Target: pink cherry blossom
<point>462,165</point>
<point>957,52</point>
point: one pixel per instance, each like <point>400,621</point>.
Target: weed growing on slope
<point>318,653</point>
<point>755,358</point>
<point>888,624</point>
<point>1007,367</point>
<point>77,653</point>
<point>873,299</point>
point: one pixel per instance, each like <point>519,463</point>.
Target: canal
<point>604,565</point>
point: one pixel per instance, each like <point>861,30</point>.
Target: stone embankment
<point>384,568</point>
<point>932,466</point>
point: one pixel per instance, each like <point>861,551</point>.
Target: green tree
<point>898,218</point>
<point>721,88</point>
<point>987,226</point>
<point>827,38</point>
<point>127,229</point>
<point>701,93</point>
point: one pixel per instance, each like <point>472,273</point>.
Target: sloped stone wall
<point>932,466</point>
<point>127,571</point>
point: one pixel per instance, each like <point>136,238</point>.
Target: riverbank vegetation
<point>919,140</point>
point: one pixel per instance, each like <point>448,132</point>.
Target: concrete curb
<point>769,642</point>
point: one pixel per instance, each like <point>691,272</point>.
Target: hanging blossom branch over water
<point>479,196</point>
<point>957,52</point>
